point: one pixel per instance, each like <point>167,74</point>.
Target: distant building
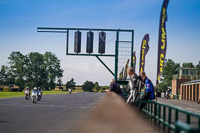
<point>190,90</point>
<point>184,75</point>
<point>60,87</point>
<point>14,88</point>
<point>187,73</point>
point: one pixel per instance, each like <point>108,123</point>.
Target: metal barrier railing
<point>163,114</point>
<point>184,127</point>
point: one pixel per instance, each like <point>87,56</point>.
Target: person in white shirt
<point>70,91</point>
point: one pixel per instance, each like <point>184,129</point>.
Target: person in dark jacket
<point>114,87</point>
<point>149,90</point>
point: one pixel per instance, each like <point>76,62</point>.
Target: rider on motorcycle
<point>39,89</point>
<point>34,89</point>
<point>34,94</point>
<point>39,93</point>
<point>28,89</point>
<point>27,92</point>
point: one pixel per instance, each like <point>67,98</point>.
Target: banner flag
<point>134,60</point>
<point>125,70</point>
<point>121,74</point>
<point>162,40</point>
<point>143,52</point>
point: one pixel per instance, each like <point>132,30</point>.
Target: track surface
<point>53,114</point>
<point>188,105</point>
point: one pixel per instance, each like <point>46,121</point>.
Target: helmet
<point>35,88</point>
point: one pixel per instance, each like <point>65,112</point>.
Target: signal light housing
<point>90,38</point>
<point>77,42</point>
<point>102,42</point>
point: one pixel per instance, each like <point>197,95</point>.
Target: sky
<point>19,20</point>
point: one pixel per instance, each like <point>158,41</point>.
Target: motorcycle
<point>39,95</point>
<point>34,96</point>
<point>70,91</point>
<point>26,94</point>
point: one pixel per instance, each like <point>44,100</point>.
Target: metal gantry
<point>115,73</point>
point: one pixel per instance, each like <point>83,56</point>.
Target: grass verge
<point>21,94</point>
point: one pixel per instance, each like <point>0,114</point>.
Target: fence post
<point>169,118</point>
<point>159,111</point>
<point>145,108</point>
<point>155,112</point>
<point>188,119</point>
<point>199,123</point>
<point>155,109</point>
<point>151,108</point>
<point>164,116</point>
<point>176,115</point>
<point>164,113</point>
<point>148,108</point>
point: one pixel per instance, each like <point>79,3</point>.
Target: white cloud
<point>92,71</point>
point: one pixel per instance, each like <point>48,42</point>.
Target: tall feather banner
<point>126,68</point>
<point>162,40</point>
<point>134,60</point>
<point>143,52</point>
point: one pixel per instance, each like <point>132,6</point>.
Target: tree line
<point>87,86</point>
<point>33,69</point>
<point>38,70</point>
<point>43,70</point>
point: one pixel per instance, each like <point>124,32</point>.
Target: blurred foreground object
<point>112,115</point>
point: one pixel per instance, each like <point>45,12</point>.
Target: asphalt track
<point>187,105</point>
<point>53,114</point>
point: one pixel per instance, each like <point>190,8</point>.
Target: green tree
<point>52,68</point>
<point>104,87</point>
<point>34,69</point>
<point>59,83</point>
<point>71,84</point>
<point>3,75</point>
<point>96,86</point>
<point>88,86</point>
<point>43,70</point>
<point>198,69</point>
<point>162,87</point>
<point>17,69</point>
<point>188,64</point>
<point>170,69</point>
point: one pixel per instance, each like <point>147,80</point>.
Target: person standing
<point>168,94</point>
<point>133,86</point>
<point>149,90</point>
